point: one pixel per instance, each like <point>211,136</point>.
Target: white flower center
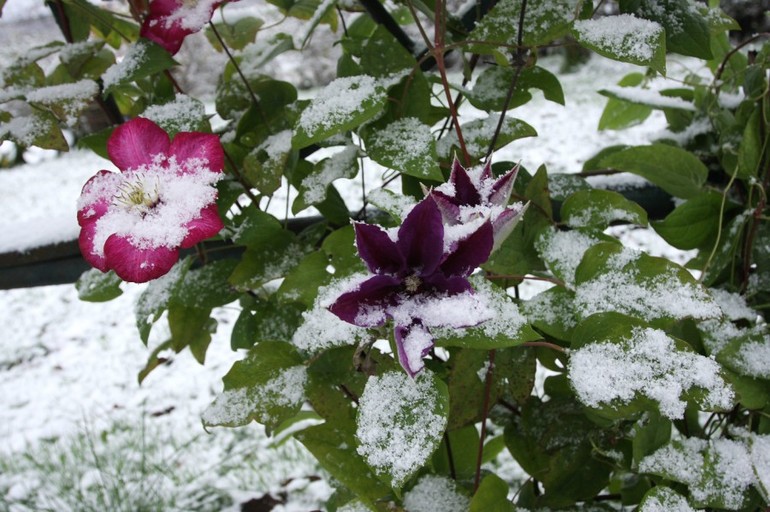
<point>412,283</point>
<point>138,193</point>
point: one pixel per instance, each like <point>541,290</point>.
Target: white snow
<point>434,492</point>
<point>624,36</point>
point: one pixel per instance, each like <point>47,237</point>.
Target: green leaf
<point>267,387</point>
<point>650,433</point>
<point>207,287</point>
<point>265,320</point>
<point>314,187</point>
<point>302,283</point>
<point>340,246</point>
<point>334,447</point>
<point>155,298</point>
<point>144,58</point>
<point>406,145</point>
<point>687,31</point>
<point>675,170</point>
<point>626,39</point>
<point>464,446</point>
<point>342,105</point>
<point>562,185</point>
<point>400,423</point>
<point>191,327</point>
<point>478,135</point>
<point>554,443</point>
<point>39,129</point>
<point>663,498</point>
<point>549,21</point>
<point>553,312</point>
<point>694,223</point>
<point>751,147</point>
<point>235,35</point>
<point>599,208</point>
<point>619,113</point>
<point>491,88</point>
<point>97,286</point>
<point>383,56</point>
<point>492,496</point>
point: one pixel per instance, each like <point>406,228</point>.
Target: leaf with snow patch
<point>678,172</point>
<point>182,114</point>
<point>619,113</point>
<point>686,29</point>
<point>313,187</point>
<point>268,386</point>
<point>156,297</point>
<point>759,448</point>
<point>309,10</point>
<point>562,250</point>
<point>664,498</point>
<point>39,129</point>
<point>144,58</point>
<point>303,282</point>
<point>613,278</point>
<point>599,208</point>
<point>561,186</point>
<point>383,56</point>
<point>65,101</point>
<point>718,473</point>
<point>619,366</point>
<point>650,433</point>
<point>94,285</point>
<point>478,135</point>
<point>543,23</point>
<point>406,145</point>
<point>342,105</point>
<point>748,355</point>
<point>400,423</point>
<point>491,88</point>
<point>552,312</point>
<point>625,38</point>
<point>206,287</point>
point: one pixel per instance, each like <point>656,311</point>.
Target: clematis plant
<point>473,193</point>
<point>420,279</point>
<point>134,222</point>
<point>170,21</point>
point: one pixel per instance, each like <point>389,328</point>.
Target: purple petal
<point>504,224</point>
<point>470,252</point>
<point>188,145</point>
<point>465,190</point>
<point>378,251</point>
<point>137,265</point>
<point>136,142</point>
<point>376,292</point>
<point>413,342</point>
<point>501,190</point>
<point>206,225</point>
<point>486,172</point>
<point>450,211</point>
<point>450,285</point>
<point>421,237</point>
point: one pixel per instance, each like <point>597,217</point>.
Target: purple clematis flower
<point>170,21</point>
<point>420,279</point>
<point>473,193</point>
<point>135,221</point>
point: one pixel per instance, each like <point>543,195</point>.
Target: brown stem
<point>349,393</point>
<point>546,344</point>
<point>485,415</point>
<point>241,180</point>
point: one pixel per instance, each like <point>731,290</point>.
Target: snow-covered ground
<point>68,369</point>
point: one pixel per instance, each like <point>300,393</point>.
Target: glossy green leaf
<point>235,35</point>
<point>687,31</point>
<point>156,297</point>
<point>342,105</point>
<point>634,41</point>
<point>383,56</point>
<point>97,286</point>
<point>678,172</point>
<point>463,444</point>
<point>191,327</point>
<point>694,223</point>
<point>267,386</point>
<point>619,113</point>
<point>303,282</point>
<point>599,208</point>
<point>406,145</point>
<point>650,433</point>
<point>491,87</point>
<point>751,147</point>
<point>492,496</point>
<point>478,135</point>
<point>144,58</point>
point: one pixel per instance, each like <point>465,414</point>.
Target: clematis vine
<point>170,21</point>
<point>135,221</point>
<point>420,279</point>
<point>473,193</point>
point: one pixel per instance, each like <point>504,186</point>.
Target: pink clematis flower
<point>135,221</point>
<point>170,21</point>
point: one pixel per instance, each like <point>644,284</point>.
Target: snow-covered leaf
<point>599,208</point>
<point>96,286</point>
<point>406,145</point>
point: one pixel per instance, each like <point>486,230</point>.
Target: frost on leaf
<point>624,37</point>
<point>718,473</point>
<point>562,251</point>
<point>400,423</point>
<point>435,492</point>
<point>664,499</point>
<point>647,364</point>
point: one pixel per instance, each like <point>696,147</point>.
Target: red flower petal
<point>187,145</point>
<point>136,142</point>
<point>87,249</point>
<point>421,237</point>
<point>137,265</point>
<point>378,251</point>
<point>205,226</point>
<point>96,196</point>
